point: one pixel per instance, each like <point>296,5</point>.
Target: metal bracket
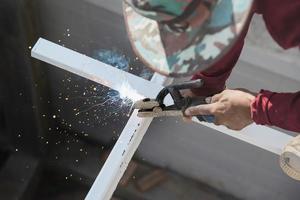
<point>130,138</point>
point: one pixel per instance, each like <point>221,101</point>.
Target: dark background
<point>48,151</point>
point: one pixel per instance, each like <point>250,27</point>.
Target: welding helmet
<point>180,37</point>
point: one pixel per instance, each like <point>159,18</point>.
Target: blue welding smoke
<point>113,58</point>
<point>120,61</point>
<point>99,99</point>
<point>146,74</point>
<point>112,98</point>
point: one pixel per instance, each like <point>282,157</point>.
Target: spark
<point>118,100</point>
<point>99,103</point>
<point>128,93</point>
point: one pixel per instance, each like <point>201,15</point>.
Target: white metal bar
<point>119,158</point>
<point>94,70</point>
<point>260,136</point>
<point>131,136</point>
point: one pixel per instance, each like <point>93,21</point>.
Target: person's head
<point>180,37</point>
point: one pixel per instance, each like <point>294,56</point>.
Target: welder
<point>204,39</point>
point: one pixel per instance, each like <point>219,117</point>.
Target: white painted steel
<point>119,158</point>
<point>260,136</point>
<point>92,69</point>
<point>106,182</point>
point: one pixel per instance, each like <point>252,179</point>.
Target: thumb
<point>205,109</point>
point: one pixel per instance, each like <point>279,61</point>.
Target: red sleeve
<point>282,19</point>
<point>277,109</point>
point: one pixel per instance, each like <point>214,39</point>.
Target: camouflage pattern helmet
<point>180,37</point>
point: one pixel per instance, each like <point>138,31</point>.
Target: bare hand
<point>231,108</point>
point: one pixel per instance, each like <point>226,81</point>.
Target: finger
<point>216,98</point>
<point>217,121</point>
<point>187,119</point>
<point>205,109</point>
<point>221,121</point>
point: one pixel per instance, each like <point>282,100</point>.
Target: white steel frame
<point>131,136</point>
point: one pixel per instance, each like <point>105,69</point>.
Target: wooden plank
<point>151,180</point>
<point>132,166</point>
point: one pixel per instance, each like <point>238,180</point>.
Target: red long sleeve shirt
<point>282,19</point>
